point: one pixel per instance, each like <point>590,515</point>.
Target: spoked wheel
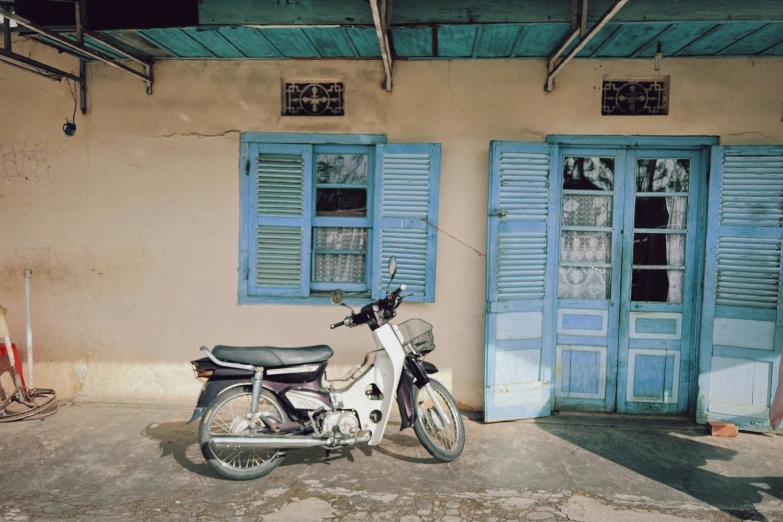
<point>443,440</point>
<point>229,414</point>
<point>36,403</point>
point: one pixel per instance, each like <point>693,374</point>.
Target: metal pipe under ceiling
<point>78,46</point>
<point>554,70</point>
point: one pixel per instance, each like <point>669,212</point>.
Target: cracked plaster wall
<point>131,226</point>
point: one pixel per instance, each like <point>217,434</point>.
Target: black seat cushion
<point>272,357</point>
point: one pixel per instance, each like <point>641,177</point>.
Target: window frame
<point>367,222</point>
<point>315,140</point>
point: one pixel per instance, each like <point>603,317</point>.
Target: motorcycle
<point>259,403</point>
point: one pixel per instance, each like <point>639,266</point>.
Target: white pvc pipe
<point>27,274</point>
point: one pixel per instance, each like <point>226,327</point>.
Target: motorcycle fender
<point>405,399</point>
<point>414,373</point>
<point>428,367</point>
<point>197,414</point>
<point>212,389</point>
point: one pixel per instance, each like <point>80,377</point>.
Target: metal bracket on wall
<point>76,48</point>
<point>579,24</point>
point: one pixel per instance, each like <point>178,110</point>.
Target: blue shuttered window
<point>407,217</point>
<point>281,217</point>
<point>278,211</point>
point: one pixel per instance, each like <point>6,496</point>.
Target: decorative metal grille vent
<point>635,97</point>
<point>313,99</point>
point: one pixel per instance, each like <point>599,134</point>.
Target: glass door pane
<point>660,229</point>
<point>586,228</point>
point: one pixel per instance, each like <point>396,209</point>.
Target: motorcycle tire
<point>431,430</point>
<point>229,414</point>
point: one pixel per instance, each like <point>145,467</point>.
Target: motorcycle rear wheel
<point>443,441</point>
<point>229,414</point>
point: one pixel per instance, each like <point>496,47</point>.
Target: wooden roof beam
<point>381,30</point>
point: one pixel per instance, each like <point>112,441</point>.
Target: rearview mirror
<point>336,296</point>
<point>392,266</point>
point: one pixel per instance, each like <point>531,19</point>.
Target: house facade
<point>569,257</point>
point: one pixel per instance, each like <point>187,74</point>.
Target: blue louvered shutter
<point>741,324</point>
<point>519,282</point>
<point>278,219</point>
<point>406,216</point>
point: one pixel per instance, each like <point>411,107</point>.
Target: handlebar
<point>376,313</point>
<point>399,290</point>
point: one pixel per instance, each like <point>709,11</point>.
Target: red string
<point>454,238</point>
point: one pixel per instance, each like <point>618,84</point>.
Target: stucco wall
<point>131,226</point>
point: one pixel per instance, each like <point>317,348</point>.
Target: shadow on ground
<point>676,460</point>
<point>180,441</point>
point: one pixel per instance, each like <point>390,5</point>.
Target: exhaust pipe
<point>362,436</point>
<point>268,442</point>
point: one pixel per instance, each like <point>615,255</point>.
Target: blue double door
<point>593,278</point>
<point>628,222</point>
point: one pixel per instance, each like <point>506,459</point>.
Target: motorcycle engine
<point>347,423</point>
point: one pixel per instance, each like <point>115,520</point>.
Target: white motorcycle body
<point>385,374</point>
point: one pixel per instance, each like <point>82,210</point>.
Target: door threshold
<point>619,420</point>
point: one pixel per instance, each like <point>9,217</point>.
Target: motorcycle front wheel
<point>229,414</point>
<point>444,439</point>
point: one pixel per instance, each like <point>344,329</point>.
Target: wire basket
<point>417,335</point>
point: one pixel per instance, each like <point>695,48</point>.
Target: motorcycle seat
<point>273,357</point>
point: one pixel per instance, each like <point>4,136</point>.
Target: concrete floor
<point>123,462</point>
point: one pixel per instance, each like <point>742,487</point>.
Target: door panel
<point>582,371</point>
<point>518,370</point>
<point>658,286</point>
<point>653,376</point>
<point>590,216</point>
<point>742,332</point>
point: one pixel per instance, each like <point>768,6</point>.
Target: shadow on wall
<point>676,461</point>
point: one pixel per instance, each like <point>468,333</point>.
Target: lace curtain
<point>342,267</point>
<point>586,210</point>
<point>577,282</point>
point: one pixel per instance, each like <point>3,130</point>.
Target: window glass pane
<point>658,286</point>
<point>587,211</point>
<point>663,175</point>
<point>588,173</point>
<point>578,282</point>
<point>340,238</point>
<point>585,247</point>
<point>341,168</point>
<point>657,212</point>
<point>341,268</point>
<point>659,249</point>
<point>347,202</point>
